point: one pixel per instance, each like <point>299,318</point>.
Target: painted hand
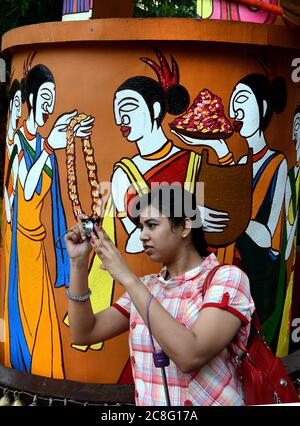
<point>112,260</point>
<point>213,220</point>
<point>84,128</point>
<point>57,138</point>
<point>218,145</point>
<point>134,243</point>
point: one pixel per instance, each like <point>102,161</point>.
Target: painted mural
<point>232,11</point>
<point>175,129</point>
<point>77,9</point>
<point>289,242</point>
<point>254,101</point>
<point>33,343</point>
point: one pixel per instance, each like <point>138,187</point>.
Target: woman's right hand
<point>78,244</point>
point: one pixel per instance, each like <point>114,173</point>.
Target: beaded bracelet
<point>75,298</point>
<point>227,159</point>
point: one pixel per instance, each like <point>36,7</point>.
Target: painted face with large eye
<point>132,114</point>
<point>15,108</point>
<point>244,110</point>
<point>296,133</point>
<point>44,103</point>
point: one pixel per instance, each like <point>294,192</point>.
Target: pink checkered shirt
<point>217,383</point>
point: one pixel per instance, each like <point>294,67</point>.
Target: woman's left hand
<point>57,138</point>
<point>112,260</point>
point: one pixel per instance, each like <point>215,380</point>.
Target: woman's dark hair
<point>273,92</point>
<point>15,86</point>
<point>174,100</point>
<point>177,204</point>
<point>37,76</point>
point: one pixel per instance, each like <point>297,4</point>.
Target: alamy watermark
<point>295,335</point>
<point>295,76</point>
<point>2,71</point>
<point>176,200</point>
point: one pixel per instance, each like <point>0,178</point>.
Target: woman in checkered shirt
<point>193,328</point>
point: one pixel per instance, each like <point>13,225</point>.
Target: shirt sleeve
<point>123,305</point>
<point>230,290</point>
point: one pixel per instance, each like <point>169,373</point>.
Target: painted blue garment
<point>58,214</point>
<point>59,228</point>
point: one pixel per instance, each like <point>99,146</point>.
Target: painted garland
<point>90,163</point>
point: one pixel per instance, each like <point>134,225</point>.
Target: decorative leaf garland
<point>88,152</point>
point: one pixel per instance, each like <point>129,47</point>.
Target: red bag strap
<point>255,323</point>
<point>255,330</point>
<point>209,278</point>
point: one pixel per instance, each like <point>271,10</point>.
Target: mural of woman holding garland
<point>33,337</point>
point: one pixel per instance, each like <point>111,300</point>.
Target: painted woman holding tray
<point>140,106</point>
<point>254,100</point>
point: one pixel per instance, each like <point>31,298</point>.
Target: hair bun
<point>177,99</point>
<point>279,94</point>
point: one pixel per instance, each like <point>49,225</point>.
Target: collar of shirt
<point>209,262</point>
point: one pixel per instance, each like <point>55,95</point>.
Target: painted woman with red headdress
<point>140,105</point>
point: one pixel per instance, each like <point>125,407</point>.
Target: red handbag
<point>264,378</point>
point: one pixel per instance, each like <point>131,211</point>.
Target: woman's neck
<point>31,124</point>
<point>257,141</point>
<point>185,261</point>
<point>152,142</point>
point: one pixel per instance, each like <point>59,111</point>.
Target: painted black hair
<point>14,88</point>
<point>37,76</point>
<point>174,100</point>
<point>273,92</point>
<point>177,204</point>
